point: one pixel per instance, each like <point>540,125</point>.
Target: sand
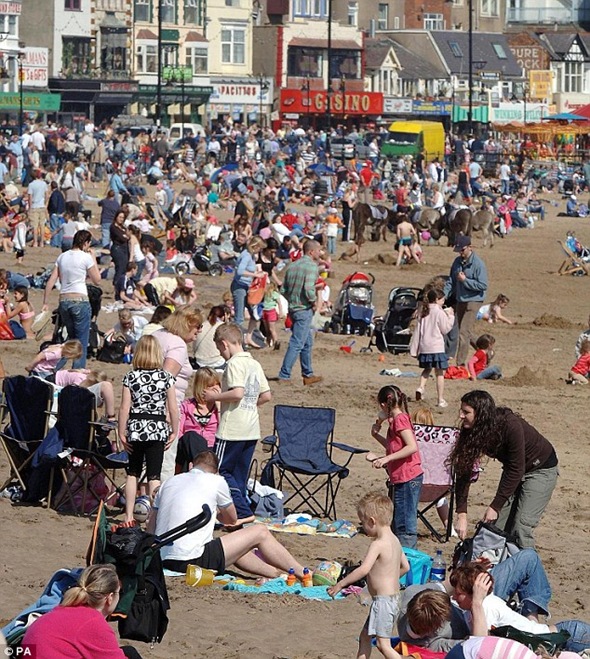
<point>535,354</point>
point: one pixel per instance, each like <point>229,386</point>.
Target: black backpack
<point>488,541</point>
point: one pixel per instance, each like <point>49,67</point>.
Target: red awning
<point>583,111</point>
<point>337,44</point>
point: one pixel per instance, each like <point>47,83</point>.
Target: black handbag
<point>146,620</point>
<point>112,351</point>
<point>551,643</point>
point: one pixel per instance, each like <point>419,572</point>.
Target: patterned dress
<point>147,417</point>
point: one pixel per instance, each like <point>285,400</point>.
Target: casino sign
<point>296,101</point>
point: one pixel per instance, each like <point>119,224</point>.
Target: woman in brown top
<point>119,246</point>
<point>529,466</point>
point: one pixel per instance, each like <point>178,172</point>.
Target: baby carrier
<point>392,331</point>
<point>353,310</point>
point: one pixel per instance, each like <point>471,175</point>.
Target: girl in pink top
<point>195,414</point>
<point>402,461</point>
<point>428,342</point>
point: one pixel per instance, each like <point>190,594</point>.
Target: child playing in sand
<point>148,418</point>
<point>428,342</point>
<point>383,566</point>
<point>493,312</point>
<point>402,461</point>
<point>478,366</point>
<point>195,413</point>
<point>23,309</point>
<point>406,235</point>
<point>580,370</point>
<point>244,388</point>
<point>332,223</point>
<point>53,357</point>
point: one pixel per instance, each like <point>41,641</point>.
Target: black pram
<point>392,331</point>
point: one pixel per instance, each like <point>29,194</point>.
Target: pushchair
<point>353,310</point>
<point>60,333</point>
<point>392,331</point>
<point>201,259</point>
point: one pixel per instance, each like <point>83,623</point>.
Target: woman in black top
<point>267,259</point>
<point>119,247</point>
<point>185,243</point>
<point>529,466</point>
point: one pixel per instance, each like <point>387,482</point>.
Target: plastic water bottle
<point>291,578</point>
<point>438,571</point>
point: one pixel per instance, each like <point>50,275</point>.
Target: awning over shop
<point>43,102</point>
<point>191,94</point>
<point>113,99</point>
<point>480,114</point>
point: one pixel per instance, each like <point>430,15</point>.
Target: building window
<point>146,58</point>
<point>490,7</point>
<point>168,9</point>
<point>142,10</point>
<point>455,49</point>
<point>197,58</point>
<point>192,12</point>
<point>353,13</point>
<point>383,16</point>
<point>345,64</point>
<point>73,5</point>
<point>232,3</point>
<point>170,55</point>
<point>304,62</point>
<point>113,51</point>
<point>499,50</point>
<point>572,77</point>
<point>8,25</point>
<point>310,8</point>
<point>75,57</point>
<point>233,45</point>
<point>396,22</point>
<point>434,22</point>
<point>111,5</point>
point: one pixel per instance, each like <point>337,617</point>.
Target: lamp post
<point>329,88</point>
<point>470,64</point>
<point>343,92</point>
<point>18,58</point>
<point>263,85</point>
<point>159,77</point>
<point>179,74</point>
<point>306,88</point>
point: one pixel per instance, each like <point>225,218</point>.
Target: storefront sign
<point>393,105</point>
<point>431,107</point>
<point>240,92</point>
<point>10,8</point>
<point>540,84</point>
<point>507,112</point>
<point>32,102</point>
<point>35,65</point>
<point>354,103</point>
<point>530,58</point>
<point>119,87</point>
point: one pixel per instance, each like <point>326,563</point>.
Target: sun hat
<point>188,283</point>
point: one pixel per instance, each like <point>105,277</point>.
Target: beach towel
<point>307,525</point>
<point>279,586</point>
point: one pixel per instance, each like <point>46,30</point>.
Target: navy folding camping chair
<point>302,447</point>
<point>26,405</point>
<point>85,464</point>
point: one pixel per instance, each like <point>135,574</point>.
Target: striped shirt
<point>299,284</point>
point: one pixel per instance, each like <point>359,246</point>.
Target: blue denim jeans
<point>405,497</point>
<point>525,575</point>
<point>579,634</point>
<point>488,372</point>
<point>300,344</point>
<point>106,235</point>
<point>331,244</point>
<point>505,186</point>
<point>54,224</point>
<point>239,293</point>
<point>75,315</point>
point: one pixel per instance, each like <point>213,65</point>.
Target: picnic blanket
<point>307,525</point>
<point>279,586</point>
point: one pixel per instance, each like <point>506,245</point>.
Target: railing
<point>540,15</point>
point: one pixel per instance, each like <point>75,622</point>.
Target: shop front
<point>35,105</point>
<point>245,101</point>
<point>179,102</point>
<point>311,107</point>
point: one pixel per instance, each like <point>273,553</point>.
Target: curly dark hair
<point>484,438</point>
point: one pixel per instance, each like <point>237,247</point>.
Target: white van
<point>176,131</point>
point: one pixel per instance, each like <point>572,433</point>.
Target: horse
<point>429,219</point>
<point>483,220</point>
<point>362,216</point>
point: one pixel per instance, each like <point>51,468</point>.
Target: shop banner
<point>345,103</point>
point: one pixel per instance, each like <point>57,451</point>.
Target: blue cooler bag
<point>420,564</point>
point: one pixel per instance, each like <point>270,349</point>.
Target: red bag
<point>256,290</point>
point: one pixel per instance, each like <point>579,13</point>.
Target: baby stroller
<point>201,259</point>
<point>353,311</point>
<point>60,333</point>
<point>392,331</point>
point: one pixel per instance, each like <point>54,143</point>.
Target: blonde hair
<point>255,243</point>
<point>125,315</point>
<point>95,584</point>
<point>377,506</point>
<point>71,349</point>
<point>94,377</point>
<point>184,319</point>
<point>148,353</point>
<point>230,332</point>
<point>423,416</point>
<point>204,378</point>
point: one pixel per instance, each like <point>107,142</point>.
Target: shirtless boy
<point>382,567</point>
<point>406,234</point>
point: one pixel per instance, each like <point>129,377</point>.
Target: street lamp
<point>343,92</point>
<point>18,58</point>
<point>264,86</point>
<point>329,89</point>
<point>306,87</point>
<point>178,74</point>
<point>159,78</point>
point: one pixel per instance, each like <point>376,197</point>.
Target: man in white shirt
<point>182,497</point>
<point>38,193</point>
<point>505,173</point>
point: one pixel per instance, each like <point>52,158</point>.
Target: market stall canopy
<point>565,116</point>
<point>584,111</point>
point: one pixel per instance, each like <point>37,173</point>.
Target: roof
<point>491,52</point>
<point>376,52</point>
<point>144,33</point>
<point>196,36</point>
<point>348,44</point>
<point>559,43</point>
<point>416,68</point>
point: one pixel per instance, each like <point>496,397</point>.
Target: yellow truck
<point>409,138</point>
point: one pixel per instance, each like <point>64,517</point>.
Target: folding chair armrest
<point>349,449</point>
<point>270,440</point>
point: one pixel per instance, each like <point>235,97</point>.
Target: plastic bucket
<point>197,576</point>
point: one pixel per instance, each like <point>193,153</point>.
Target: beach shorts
<point>212,558</point>
<point>270,316</point>
<point>37,217</point>
<point>385,610</point>
<point>405,242</point>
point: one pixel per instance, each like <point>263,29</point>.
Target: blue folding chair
<point>302,447</point>
<point>26,405</point>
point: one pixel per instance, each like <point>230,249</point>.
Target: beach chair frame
<point>572,264</point>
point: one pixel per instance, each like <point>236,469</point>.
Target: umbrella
<point>321,169</point>
<point>565,116</point>
<point>231,166</point>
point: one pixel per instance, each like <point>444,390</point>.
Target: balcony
<point>548,15</point>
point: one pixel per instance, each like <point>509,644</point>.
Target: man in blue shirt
<point>468,281</point>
